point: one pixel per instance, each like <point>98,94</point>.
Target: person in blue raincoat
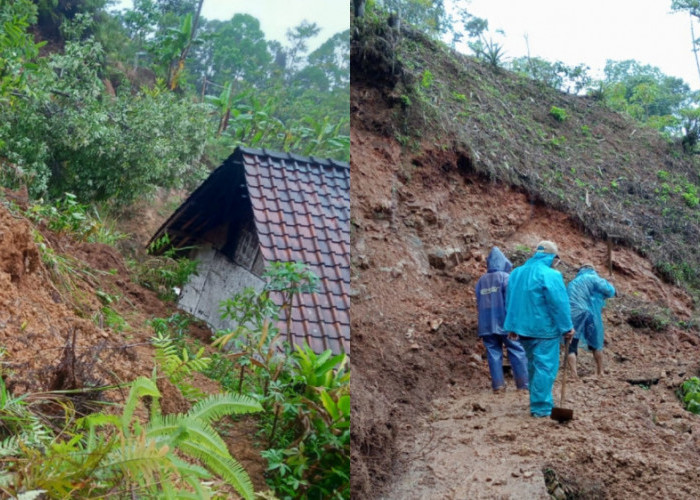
<point>538,313</point>
<point>587,294</point>
<point>491,308</point>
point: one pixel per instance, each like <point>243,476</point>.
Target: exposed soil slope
<point>617,179</point>
<point>57,336</point>
<point>425,423</point>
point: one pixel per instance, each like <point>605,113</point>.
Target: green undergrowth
<point>165,274</point>
<point>305,426</point>
<point>87,448</point>
<point>689,393</point>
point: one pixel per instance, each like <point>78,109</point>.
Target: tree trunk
<point>180,66</point>
<point>695,45</point>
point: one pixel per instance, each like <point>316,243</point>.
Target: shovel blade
<point>561,414</point>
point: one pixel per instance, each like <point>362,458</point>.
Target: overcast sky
<point>593,31</point>
<point>277,16</point>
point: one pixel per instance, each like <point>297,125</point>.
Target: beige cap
<point>547,247</point>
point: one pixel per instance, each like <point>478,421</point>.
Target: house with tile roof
<point>260,207</point>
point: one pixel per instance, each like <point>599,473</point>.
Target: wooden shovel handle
<point>563,379</point>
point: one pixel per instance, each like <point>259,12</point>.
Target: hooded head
<point>547,247</point>
<point>586,268</point>
<point>496,261</point>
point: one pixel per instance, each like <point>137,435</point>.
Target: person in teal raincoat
<point>539,315</point>
<point>587,294</point>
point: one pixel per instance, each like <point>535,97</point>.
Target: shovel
<point>561,414</point>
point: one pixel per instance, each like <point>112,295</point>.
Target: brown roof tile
<point>302,213</point>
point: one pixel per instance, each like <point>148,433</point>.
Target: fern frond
<point>138,458</point>
<point>31,432</point>
<point>142,386</point>
<point>186,469</point>
<point>10,446</point>
<point>225,466</point>
<point>191,393</point>
<point>7,478</point>
<point>36,431</point>
<point>219,405</point>
<point>196,431</point>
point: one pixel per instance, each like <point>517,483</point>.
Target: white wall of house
<point>218,279</point>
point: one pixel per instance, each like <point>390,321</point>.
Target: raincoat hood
<point>587,295</point>
<point>537,304</point>
<point>544,257</point>
<point>586,270</point>
<point>497,261</point>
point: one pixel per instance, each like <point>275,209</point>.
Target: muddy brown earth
<point>425,423</point>
<point>56,336</point>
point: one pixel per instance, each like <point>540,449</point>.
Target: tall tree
<point>332,59</point>
<point>298,38</point>
<point>234,50</point>
<point>426,15</point>
<point>645,88</point>
<point>693,9</point>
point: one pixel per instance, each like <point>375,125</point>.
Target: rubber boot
<point>571,361</point>
<point>598,356</point>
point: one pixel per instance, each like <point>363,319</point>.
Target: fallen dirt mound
<point>57,334</point>
<point>424,423</point>
<point>41,316</point>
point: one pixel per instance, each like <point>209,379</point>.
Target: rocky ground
<point>425,422</point>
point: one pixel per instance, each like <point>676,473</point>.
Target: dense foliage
<point>155,96</point>
<point>306,396</point>
<point>97,109</point>
<point>690,395</point>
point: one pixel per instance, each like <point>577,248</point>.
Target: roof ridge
<point>281,155</point>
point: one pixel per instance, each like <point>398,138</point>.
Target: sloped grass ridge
<point>619,179</point>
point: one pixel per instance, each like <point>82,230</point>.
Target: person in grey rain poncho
<point>491,308</point>
<point>587,294</point>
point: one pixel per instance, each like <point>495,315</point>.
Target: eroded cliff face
<point>424,420</point>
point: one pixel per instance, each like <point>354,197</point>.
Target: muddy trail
<point>425,423</point>
<point>629,437</point>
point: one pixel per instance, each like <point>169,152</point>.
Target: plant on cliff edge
<point>690,395</point>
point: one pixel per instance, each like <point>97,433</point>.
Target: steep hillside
<point>449,158</point>
<point>72,319</point>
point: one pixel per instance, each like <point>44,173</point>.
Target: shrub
<point>66,215</point>
<point>690,395</point>
<point>66,136</point>
<point>165,274</point>
<point>427,79</point>
<point>558,114</point>
<point>306,395</point>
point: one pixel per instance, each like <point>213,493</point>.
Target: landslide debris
<point>439,174</point>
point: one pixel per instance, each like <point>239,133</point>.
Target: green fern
<point>116,455</point>
<point>142,386</point>
<point>219,405</point>
<point>179,366</point>
<point>226,466</point>
<point>24,426</point>
<point>142,460</point>
<point>200,440</point>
